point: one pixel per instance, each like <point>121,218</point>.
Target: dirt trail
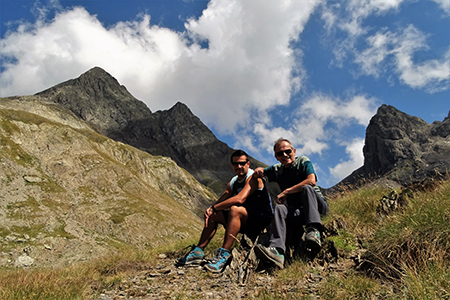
<point>242,279</point>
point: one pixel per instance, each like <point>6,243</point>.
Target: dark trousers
<point>294,215</point>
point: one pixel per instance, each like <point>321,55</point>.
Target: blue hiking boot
<point>219,261</point>
<point>270,254</point>
<point>193,257</point>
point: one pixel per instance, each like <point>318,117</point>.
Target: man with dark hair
<point>244,207</point>
<point>299,203</point>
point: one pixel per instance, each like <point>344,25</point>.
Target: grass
<point>407,255</point>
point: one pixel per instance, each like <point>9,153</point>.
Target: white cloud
<point>444,4</point>
<point>347,17</point>
<point>356,160</point>
<point>247,66</point>
<point>432,75</point>
<point>388,51</point>
<point>318,122</point>
<point>396,50</point>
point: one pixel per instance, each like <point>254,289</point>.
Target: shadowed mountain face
<point>402,148</point>
<point>102,102</point>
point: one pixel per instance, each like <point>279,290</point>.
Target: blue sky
<point>312,71</point>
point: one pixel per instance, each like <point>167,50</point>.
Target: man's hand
<point>259,172</point>
<point>281,198</point>
<point>208,213</point>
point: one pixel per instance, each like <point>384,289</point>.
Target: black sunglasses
<point>239,163</point>
<point>280,153</point>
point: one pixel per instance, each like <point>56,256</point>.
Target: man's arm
<point>251,185</point>
<point>259,172</point>
<point>310,180</point>
<point>212,209</point>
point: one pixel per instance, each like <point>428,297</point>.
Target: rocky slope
<point>402,149</point>
<point>102,102</point>
<point>69,193</point>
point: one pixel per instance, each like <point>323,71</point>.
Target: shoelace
<point>192,248</point>
<point>219,255</point>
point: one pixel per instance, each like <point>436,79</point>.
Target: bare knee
<point>237,212</point>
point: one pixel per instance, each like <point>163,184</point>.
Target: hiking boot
<point>270,254</point>
<point>312,239</point>
<point>219,261</point>
<point>193,257</point>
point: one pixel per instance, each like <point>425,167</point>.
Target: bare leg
<point>210,230</point>
<point>236,218</point>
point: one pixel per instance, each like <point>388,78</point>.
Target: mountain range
<point>97,98</point>
<point>86,168</point>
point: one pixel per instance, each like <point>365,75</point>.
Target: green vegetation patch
<point>14,152</point>
<point>48,185</point>
<point>352,286</point>
<point>420,233</point>
<point>345,241</point>
<point>32,230</point>
<point>21,116</point>
<point>121,209</point>
<point>28,209</point>
<point>61,232</point>
<point>56,205</point>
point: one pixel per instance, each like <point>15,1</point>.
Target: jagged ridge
<point>402,148</point>
<point>100,100</point>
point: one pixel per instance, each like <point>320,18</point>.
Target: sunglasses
<point>239,163</point>
<point>281,153</point>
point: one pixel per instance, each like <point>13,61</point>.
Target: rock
<point>23,261</point>
<point>392,202</point>
<point>401,149</point>
<point>32,179</point>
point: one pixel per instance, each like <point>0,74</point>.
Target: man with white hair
<point>299,203</point>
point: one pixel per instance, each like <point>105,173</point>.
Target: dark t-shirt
<point>258,204</point>
<point>288,177</point>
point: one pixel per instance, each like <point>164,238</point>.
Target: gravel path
<point>240,280</point>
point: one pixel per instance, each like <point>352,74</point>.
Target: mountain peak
<point>99,99</point>
<point>402,148</point>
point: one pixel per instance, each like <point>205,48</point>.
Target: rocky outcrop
<point>403,149</point>
<point>69,194</point>
<point>97,98</point>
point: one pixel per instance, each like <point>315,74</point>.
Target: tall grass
<point>69,283</point>
<point>418,237</point>
<point>409,249</point>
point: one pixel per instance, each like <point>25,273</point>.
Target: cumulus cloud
<point>319,121</point>
<point>356,160</point>
<point>228,63</point>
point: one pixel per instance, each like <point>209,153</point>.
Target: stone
<point>23,261</point>
<point>402,149</point>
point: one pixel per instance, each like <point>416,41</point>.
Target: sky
<point>311,71</point>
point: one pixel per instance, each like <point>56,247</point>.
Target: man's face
<point>285,154</point>
<point>240,166</point>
